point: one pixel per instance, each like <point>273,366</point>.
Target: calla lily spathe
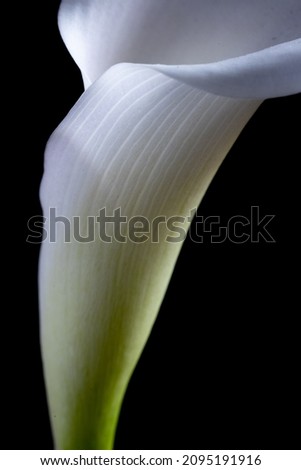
<point>148,139</point>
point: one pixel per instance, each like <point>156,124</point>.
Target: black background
<point>220,369</point>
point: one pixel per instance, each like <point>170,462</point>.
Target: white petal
<point>150,145</point>
<point>101,33</point>
<point>269,73</point>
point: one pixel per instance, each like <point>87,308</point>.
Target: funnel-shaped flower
<point>142,143</point>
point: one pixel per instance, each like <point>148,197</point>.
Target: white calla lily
<point>146,139</point>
